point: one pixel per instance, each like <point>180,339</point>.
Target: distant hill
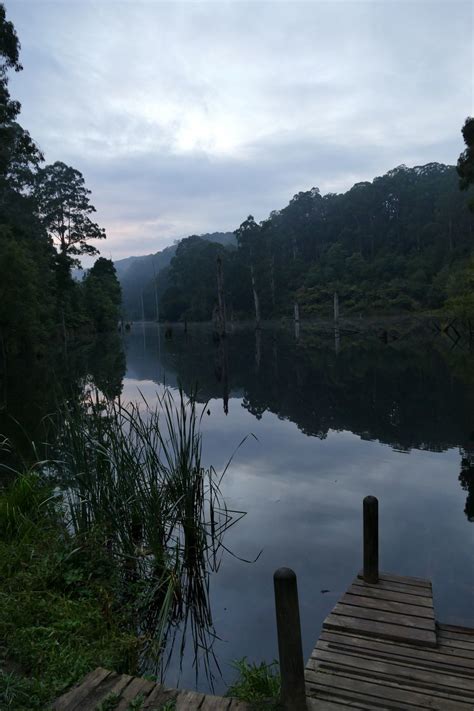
<point>136,274</point>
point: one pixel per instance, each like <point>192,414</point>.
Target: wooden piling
<point>371,539</point>
<point>290,649</point>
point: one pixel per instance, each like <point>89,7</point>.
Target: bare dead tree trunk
<point>294,247</point>
<point>255,296</point>
<point>272,279</point>
<point>296,309</point>
<point>221,299</point>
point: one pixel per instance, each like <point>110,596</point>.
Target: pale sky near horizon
<point>185,117</point>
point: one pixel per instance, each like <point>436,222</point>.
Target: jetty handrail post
<point>371,539</point>
<point>290,648</point>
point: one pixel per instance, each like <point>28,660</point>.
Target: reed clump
<point>135,474</point>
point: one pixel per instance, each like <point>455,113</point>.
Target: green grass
<point>105,558</point>
<point>57,616</point>
<point>258,684</point>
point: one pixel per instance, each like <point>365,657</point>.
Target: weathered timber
<point>75,697</point>
<point>290,648</point>
<point>379,593</point>
<point>381,648</point>
<point>377,603</point>
<point>100,683</point>
<point>371,539</point>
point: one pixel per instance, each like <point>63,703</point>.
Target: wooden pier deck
<point>129,691</point>
<point>381,648</point>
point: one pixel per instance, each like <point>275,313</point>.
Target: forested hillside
<point>45,226</point>
<point>402,242</point>
<point>137,275</point>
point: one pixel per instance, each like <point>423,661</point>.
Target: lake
<point>392,418</point>
<point>313,425</point>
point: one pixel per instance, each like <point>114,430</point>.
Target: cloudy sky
<point>184,117</point>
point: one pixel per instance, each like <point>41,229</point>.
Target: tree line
<point>46,224</point>
<point>401,243</point>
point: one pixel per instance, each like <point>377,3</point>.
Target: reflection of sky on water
<point>303,498</point>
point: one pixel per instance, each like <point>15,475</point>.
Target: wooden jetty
<point>129,691</point>
<point>380,648</point>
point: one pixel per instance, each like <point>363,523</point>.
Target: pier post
<point>371,539</point>
<point>290,648</point>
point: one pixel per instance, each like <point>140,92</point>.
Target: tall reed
<point>134,472</point>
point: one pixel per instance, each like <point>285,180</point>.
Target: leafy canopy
<point>65,209</point>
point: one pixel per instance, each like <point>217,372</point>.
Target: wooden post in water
<point>290,649</point>
<point>371,539</point>
<point>336,309</point>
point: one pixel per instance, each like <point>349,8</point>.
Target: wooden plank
<point>383,594</point>
<point>456,629</point>
<point>188,701</point>
<point>389,694</point>
<point>114,684</point>
<point>406,580</point>
<point>138,687</point>
<point>395,587</point>
<point>159,696</point>
<point>365,645</point>
<point>447,634</point>
<point>467,647</point>
<point>73,698</point>
<point>402,673</point>
<point>379,629</point>
<point>215,703</point>
<point>391,618</point>
<point>329,702</point>
<point>388,606</point>
<point>237,705</point>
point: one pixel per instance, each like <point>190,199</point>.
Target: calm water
<point>394,420</point>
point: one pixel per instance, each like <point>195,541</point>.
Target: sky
<point>185,117</point>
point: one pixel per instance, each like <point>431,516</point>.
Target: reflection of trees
<point>466,479</point>
<point>405,394</point>
<point>32,389</point>
<point>107,364</point>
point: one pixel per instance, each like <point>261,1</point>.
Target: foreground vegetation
<point>59,612</point>
<point>106,549</point>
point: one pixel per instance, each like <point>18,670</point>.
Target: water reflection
<point>336,416</point>
<point>407,394</point>
<point>410,394</point>
<point>31,389</point>
<point>387,418</point>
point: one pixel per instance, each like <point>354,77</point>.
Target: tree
<point>465,165</point>
<point>64,209</point>
<point>248,240</point>
<point>102,295</point>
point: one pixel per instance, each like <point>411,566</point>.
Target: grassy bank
<point>59,614</point>
<point>62,612</point>
<point>106,549</point>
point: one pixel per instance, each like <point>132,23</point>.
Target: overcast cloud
<point>185,117</point>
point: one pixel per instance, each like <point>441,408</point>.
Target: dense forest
<point>400,243</point>
<point>46,225</point>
